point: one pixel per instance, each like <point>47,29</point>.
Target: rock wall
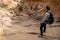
<point>34,7</point>
<point>5,21</point>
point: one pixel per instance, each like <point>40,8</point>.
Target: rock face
<point>5,16</point>
<point>54,4</point>
<point>9,3</point>
<point>5,20</point>
<point>34,7</point>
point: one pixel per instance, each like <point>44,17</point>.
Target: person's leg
<point>44,27</point>
<point>41,29</point>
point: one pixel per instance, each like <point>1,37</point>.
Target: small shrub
<point>13,9</point>
<point>3,5</point>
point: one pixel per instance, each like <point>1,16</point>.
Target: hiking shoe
<point>40,36</point>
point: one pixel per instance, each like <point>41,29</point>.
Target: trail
<point>31,32</point>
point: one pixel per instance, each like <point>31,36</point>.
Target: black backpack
<point>50,20</point>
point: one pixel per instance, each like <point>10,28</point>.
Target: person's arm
<point>45,17</point>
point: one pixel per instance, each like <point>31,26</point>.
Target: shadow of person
<point>55,26</point>
<point>50,37</point>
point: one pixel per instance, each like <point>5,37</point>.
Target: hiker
<point>47,19</point>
